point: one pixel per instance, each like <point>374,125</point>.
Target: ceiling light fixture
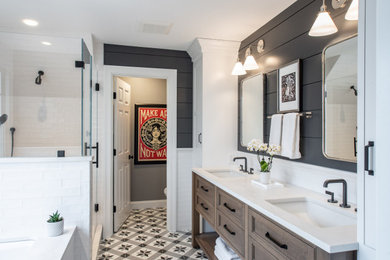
<point>238,69</point>
<point>30,22</point>
<point>46,43</point>
<point>250,63</point>
<point>323,25</point>
<point>353,11</point>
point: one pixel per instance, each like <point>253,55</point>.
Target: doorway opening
<point>110,72</point>
<point>140,145</point>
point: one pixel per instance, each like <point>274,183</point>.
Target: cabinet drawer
<point>206,209</point>
<point>278,238</point>
<point>232,233</point>
<point>231,207</point>
<point>205,189</point>
<point>259,251</point>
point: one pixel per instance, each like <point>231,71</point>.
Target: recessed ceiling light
<point>46,43</point>
<point>30,22</point>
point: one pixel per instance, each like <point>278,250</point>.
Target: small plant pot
<point>265,177</point>
<point>55,228</point>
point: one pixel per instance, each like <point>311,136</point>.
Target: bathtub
<point>40,248</point>
<point>16,248</point>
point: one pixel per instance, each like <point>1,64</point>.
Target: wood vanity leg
<point>195,215</point>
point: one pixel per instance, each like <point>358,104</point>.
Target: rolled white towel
<point>225,251</point>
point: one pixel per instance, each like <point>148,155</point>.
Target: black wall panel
<point>286,39</point>
<point>163,59</point>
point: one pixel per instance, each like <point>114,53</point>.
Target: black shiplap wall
<point>164,59</point>
<point>286,39</point>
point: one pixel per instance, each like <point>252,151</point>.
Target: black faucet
<point>245,161</point>
<point>344,204</point>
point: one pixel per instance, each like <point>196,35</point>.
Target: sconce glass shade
<point>238,69</point>
<point>323,25</point>
<point>250,63</point>
<point>353,11</point>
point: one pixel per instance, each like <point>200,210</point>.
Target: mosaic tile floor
<point>144,236</point>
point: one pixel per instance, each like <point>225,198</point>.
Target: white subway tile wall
<point>30,191</point>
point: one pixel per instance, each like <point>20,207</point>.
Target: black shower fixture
<point>3,118</point>
<point>354,90</point>
<point>38,80</point>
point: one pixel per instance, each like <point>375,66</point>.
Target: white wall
<point>6,70</point>
<point>46,115</point>
<point>31,189</point>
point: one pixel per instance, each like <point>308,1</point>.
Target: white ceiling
<point>120,21</point>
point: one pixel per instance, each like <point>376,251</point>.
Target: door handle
<point>368,155</point>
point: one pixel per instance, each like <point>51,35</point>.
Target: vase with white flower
<point>265,162</point>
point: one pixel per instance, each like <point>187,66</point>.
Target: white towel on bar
<point>223,252</point>
<point>290,136</point>
<point>276,129</point>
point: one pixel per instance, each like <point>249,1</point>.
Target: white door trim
<point>171,76</point>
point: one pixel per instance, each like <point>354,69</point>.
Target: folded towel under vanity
<point>290,136</point>
<point>276,129</point>
<point>223,252</point>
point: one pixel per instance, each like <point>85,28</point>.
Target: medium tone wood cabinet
<point>249,233</point>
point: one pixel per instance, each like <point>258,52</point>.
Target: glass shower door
<point>86,102</point>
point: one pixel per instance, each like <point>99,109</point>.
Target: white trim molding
<point>171,76</point>
<point>147,204</point>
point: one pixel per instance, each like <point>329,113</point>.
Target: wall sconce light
<point>238,69</point>
<point>323,25</point>
<point>250,63</point>
<point>353,11</point>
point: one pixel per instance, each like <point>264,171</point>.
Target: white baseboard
<point>145,204</point>
<point>96,241</point>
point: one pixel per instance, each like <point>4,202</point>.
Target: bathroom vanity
<point>280,223</point>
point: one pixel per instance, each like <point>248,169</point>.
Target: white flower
<point>256,145</point>
<point>273,149</point>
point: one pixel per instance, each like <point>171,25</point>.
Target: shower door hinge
<point>79,64</point>
<point>114,95</point>
<point>114,209</point>
<point>96,207</point>
<point>114,152</point>
<point>97,87</point>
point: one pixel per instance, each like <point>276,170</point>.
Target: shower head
<point>3,118</point>
<point>38,79</point>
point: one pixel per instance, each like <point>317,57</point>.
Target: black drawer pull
<point>204,206</point>
<point>228,230</point>
<point>284,246</point>
<point>203,188</point>
<point>229,208</point>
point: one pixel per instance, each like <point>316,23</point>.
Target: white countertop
<point>331,239</point>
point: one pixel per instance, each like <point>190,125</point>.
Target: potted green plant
<point>265,163</point>
<point>55,225</point>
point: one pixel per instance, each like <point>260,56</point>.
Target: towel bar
<point>305,114</point>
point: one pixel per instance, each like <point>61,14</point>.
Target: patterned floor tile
<point>144,236</point>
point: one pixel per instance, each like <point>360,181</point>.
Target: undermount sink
<point>225,173</point>
<point>315,212</point>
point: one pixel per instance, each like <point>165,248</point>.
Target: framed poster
<point>150,134</point>
<point>289,87</point>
